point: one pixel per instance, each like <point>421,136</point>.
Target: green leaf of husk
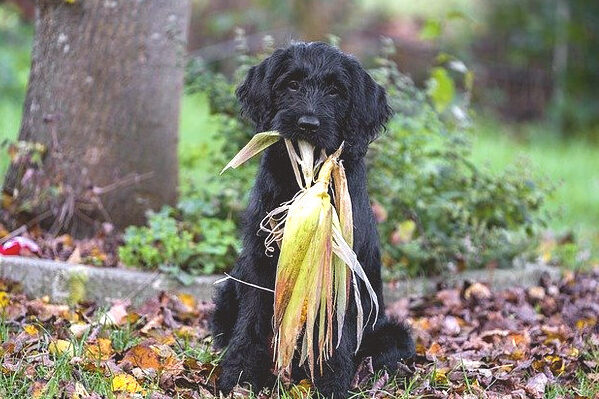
<point>256,145</point>
<point>346,253</point>
<point>342,277</point>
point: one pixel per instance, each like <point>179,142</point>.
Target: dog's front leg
<point>338,371</point>
<point>248,358</point>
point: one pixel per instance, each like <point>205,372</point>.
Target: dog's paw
<point>333,392</point>
<point>390,344</point>
<point>230,378</point>
<point>239,371</point>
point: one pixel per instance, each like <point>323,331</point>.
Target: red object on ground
<point>14,246</point>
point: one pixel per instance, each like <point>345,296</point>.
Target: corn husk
<point>346,222</point>
<point>258,143</point>
<point>317,268</point>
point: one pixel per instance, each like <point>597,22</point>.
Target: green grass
<point>571,165</point>
<point>434,9</point>
<point>197,127</point>
<point>10,119</point>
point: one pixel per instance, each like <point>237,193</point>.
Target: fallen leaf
<point>4,299</point>
<point>301,390</point>
<point>434,351</point>
<point>536,385</point>
<point>38,389</point>
<point>101,349</point>
<point>79,329</point>
<point>125,383</point>
<point>188,300</point>
<point>60,347</point>
<point>536,293</point>
<point>30,329</point>
<point>477,291</point>
<point>116,315</point>
<point>75,257</point>
<point>142,356</point>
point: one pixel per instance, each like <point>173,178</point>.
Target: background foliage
<point>452,188</point>
<point>528,34</point>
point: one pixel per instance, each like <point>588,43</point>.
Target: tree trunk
<point>103,98</point>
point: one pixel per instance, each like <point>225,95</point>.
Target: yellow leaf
<point>587,322</point>
<point>123,382</point>
<point>573,352</point>
<point>301,390</point>
<point>60,347</point>
<point>556,364</point>
<point>186,332</point>
<point>188,300</point>
<point>517,354</point>
<point>65,239</point>
<point>440,377</point>
<point>31,329</point>
<point>7,201</point>
<point>4,299</point>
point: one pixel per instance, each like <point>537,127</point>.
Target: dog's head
<point>315,92</point>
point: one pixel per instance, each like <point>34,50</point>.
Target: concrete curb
<point>63,282</point>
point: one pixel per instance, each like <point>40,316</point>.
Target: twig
<point>133,178</point>
<point>13,234</point>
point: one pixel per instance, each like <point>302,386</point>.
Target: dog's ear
<point>255,93</point>
<point>369,111</point>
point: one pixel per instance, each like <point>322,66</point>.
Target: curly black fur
<point>339,102</point>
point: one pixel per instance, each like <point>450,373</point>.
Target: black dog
<point>315,92</point>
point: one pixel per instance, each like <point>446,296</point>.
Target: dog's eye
<point>293,85</point>
<point>333,91</point>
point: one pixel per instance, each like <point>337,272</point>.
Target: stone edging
<point>63,282</point>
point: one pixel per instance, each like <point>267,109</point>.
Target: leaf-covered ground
<point>537,342</point>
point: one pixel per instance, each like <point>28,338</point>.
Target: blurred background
<point>493,153</point>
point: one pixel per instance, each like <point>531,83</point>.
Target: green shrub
<point>186,246</point>
<point>442,211</point>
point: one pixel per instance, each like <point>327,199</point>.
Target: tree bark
<point>104,93</point>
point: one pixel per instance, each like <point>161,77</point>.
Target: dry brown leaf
<point>117,314</point>
<point>101,349</point>
<point>142,356</point>
<point>477,291</point>
<point>38,389</point>
<point>75,257</point>
<point>536,385</point>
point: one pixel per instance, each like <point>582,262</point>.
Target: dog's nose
<point>309,123</point>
